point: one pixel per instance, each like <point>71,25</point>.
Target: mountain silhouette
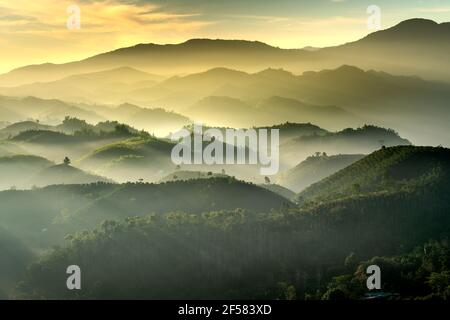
<point>415,46</point>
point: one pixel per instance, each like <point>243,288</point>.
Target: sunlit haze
<point>35,31</point>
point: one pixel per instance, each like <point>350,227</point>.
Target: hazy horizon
<point>40,28</point>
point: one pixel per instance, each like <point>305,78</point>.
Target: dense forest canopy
<point>207,253</point>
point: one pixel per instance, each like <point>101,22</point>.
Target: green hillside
<point>136,146</point>
<point>64,174</point>
<point>15,128</point>
<point>16,171</point>
<point>282,191</point>
<point>192,196</point>
<point>388,169</point>
<point>137,158</point>
<point>236,254</point>
<point>44,136</point>
<point>290,130</point>
<point>314,169</point>
<point>361,140</point>
<point>193,232</point>
<point>189,175</point>
<point>34,216</point>
<point>42,217</point>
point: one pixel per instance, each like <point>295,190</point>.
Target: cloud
<point>35,32</point>
<point>434,10</point>
<point>15,17</point>
<point>97,15</point>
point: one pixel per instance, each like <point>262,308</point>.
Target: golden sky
<point>36,31</point>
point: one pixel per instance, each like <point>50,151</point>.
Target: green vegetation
<point>188,248</point>
<point>64,174</point>
<point>59,209</point>
<point>363,140</point>
<point>386,170</point>
<point>86,134</point>
<point>14,258</point>
<point>282,191</point>
<point>190,175</point>
<point>139,146</point>
<point>237,254</point>
<point>422,274</point>
<point>192,196</point>
<point>314,169</point>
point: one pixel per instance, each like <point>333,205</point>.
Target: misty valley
<point>311,166</point>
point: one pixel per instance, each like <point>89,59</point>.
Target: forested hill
<point>314,169</point>
<point>237,253</point>
<point>42,217</point>
<point>388,169</point>
<point>191,196</point>
<point>232,254</point>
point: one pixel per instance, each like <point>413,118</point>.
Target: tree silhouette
<point>66,161</point>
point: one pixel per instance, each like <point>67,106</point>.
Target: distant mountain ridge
<point>51,112</point>
<point>421,44</point>
<point>65,174</point>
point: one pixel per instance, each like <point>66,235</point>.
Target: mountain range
<point>54,111</point>
<point>210,80</point>
<point>422,44</point>
<point>335,99</point>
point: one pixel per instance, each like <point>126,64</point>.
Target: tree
<point>288,291</point>
<point>66,161</point>
<point>122,129</point>
<point>357,188</point>
<point>334,294</point>
<point>440,284</point>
